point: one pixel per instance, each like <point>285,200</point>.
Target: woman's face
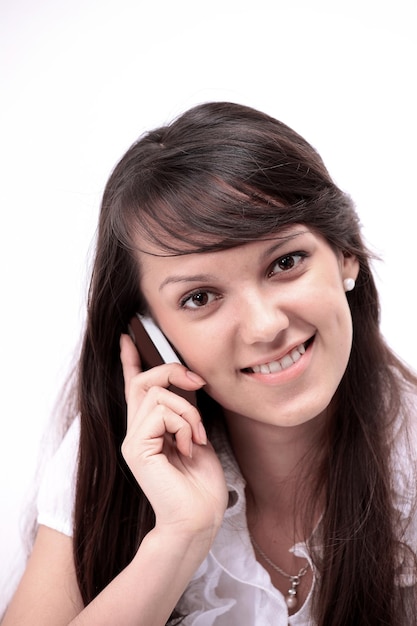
<point>266,324</point>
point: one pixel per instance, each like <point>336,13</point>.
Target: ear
<point>349,267</point>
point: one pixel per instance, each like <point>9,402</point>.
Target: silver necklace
<point>291,599</point>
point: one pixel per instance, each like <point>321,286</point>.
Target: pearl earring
<point>349,284</point>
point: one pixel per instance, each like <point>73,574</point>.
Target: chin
<point>286,416</point>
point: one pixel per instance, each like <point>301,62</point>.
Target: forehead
<point>157,261</point>
<point>168,246</point>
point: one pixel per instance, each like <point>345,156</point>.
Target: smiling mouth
<point>282,364</point>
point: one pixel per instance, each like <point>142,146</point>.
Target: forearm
<point>147,591</point>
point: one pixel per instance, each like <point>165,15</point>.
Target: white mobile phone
<point>154,349</point>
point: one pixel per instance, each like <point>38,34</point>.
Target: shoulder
<point>56,497</point>
<point>403,435</point>
<point>403,459</point>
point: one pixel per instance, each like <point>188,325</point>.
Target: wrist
<point>187,548</point>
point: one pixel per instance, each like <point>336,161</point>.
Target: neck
<point>274,460</point>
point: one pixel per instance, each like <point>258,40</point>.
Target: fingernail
<point>195,378</point>
<point>202,434</point>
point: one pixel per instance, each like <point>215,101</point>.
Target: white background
<point>82,79</point>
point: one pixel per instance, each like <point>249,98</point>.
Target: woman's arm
<point>48,593</point>
<point>167,451</point>
<point>147,591</point>
<point>144,594</point>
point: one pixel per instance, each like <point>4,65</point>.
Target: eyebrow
<point>197,278</point>
<point>283,240</point>
<point>207,278</point>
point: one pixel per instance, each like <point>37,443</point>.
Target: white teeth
<point>275,366</point>
<point>282,364</point>
<point>295,355</point>
<point>286,362</point>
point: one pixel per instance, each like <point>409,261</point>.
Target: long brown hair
<point>220,175</point>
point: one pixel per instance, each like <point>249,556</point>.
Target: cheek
<point>212,360</point>
<point>202,356</point>
<point>329,312</point>
<point>342,336</point>
<point>196,348</point>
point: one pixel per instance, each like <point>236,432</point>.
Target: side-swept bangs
<point>218,180</point>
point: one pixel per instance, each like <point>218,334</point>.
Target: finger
<point>150,440</point>
<point>158,397</point>
<point>169,374</point>
<point>130,359</point>
<point>179,434</point>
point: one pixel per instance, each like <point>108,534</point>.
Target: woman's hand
<point>166,448</point>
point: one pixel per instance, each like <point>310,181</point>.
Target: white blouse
<point>231,586</point>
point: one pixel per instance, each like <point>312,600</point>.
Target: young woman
<point>287,496</point>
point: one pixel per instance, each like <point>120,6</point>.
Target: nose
<point>261,318</point>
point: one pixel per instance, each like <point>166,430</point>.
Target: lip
<point>307,343</point>
<point>283,376</point>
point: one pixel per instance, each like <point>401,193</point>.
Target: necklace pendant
<point>291,599</point>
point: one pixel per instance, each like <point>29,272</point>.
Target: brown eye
<point>197,300</point>
<point>286,262</point>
